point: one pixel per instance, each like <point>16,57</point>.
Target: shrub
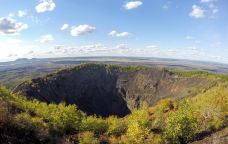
<point>159,113</point>
<point>116,126</point>
<point>154,139</point>
<point>5,116</point>
<point>87,138</point>
<point>211,108</point>
<point>181,125</point>
<point>32,124</point>
<point>94,124</point>
<point>136,133</point>
<point>114,140</point>
<point>138,127</point>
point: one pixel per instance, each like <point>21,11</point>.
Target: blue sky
<point>182,29</point>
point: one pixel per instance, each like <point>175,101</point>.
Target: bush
<point>87,138</point>
<point>154,139</point>
<point>94,124</point>
<point>181,125</point>
<point>116,126</point>
<point>32,124</point>
<point>5,116</point>
<point>136,134</point>
<point>159,113</point>
<point>138,126</point>
<point>211,108</point>
<point>114,140</point>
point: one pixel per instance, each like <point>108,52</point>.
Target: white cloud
<point>207,1</point>
<point>58,47</point>
<point>30,52</point>
<point>12,55</point>
<point>14,41</point>
<point>117,34</point>
<point>197,12</point>
<point>10,26</point>
<point>35,19</point>
<point>65,26</point>
<point>211,5</point>
<point>122,34</point>
<point>11,15</point>
<point>46,38</point>
<point>165,7</point>
<point>189,37</point>
<point>153,46</point>
<point>45,5</point>
<point>193,48</point>
<point>12,48</point>
<point>132,5</point>
<point>82,30</point>
<point>21,13</point>
<point>121,46</point>
<point>214,11</point>
<point>113,33</point>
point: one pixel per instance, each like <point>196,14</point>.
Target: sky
<point>180,29</point>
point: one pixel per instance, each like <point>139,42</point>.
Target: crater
<point>106,90</point>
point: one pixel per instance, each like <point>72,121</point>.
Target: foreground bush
<point>211,108</point>
<point>87,138</point>
<point>181,125</point>
<point>138,127</point>
<point>116,126</point>
<point>94,124</point>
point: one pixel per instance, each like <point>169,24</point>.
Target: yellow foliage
<point>87,138</point>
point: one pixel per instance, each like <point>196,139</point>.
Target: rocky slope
<point>111,90</point>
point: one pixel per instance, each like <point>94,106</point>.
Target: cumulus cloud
<point>132,5</point>
<point>45,5</point>
<point>119,34</point>
<point>21,13</point>
<point>10,26</point>
<point>82,30</point>
<point>211,5</point>
<point>197,12</point>
<point>46,38</point>
<point>65,26</point>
